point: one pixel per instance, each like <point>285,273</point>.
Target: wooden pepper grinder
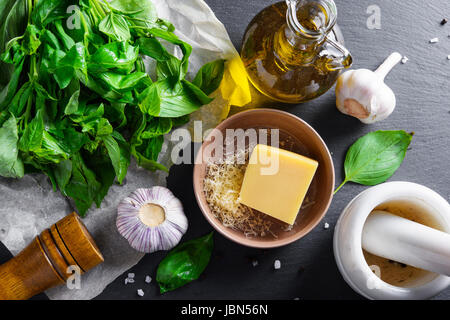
<point>44,263</point>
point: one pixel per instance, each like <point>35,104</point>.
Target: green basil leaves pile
<point>76,102</point>
<point>375,157</point>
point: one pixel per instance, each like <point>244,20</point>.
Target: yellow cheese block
<point>276,182</point>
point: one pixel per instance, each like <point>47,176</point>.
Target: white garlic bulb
<point>151,219</point>
<point>363,94</point>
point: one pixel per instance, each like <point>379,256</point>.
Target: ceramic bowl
<point>319,194</point>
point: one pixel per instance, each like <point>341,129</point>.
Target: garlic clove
<point>354,93</point>
<point>151,219</point>
<point>383,106</point>
<point>354,108</point>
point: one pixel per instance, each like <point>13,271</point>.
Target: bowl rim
<point>249,242</point>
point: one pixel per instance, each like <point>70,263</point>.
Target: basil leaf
<point>375,157</point>
<point>116,114</point>
<point>32,137</point>
<point>73,61</point>
<point>14,52</point>
<point>50,39</point>
<point>20,99</point>
<point>197,92</point>
<point>153,48</point>
<point>50,150</point>
<point>66,40</point>
<point>93,122</point>
<point>83,185</point>
<point>119,155</point>
<point>47,11</point>
<point>13,22</point>
<point>31,42</point>
<point>100,164</point>
<point>40,90</point>
<point>172,63</point>
<point>170,68</point>
<point>148,164</point>
<point>114,55</point>
<point>116,27</point>
<point>72,105</point>
<point>210,76</point>
<point>120,82</point>
<point>157,127</point>
<point>8,92</point>
<point>149,101</point>
<point>176,101</point>
<point>11,166</point>
<point>139,146</point>
<point>152,147</point>
<point>179,121</point>
<point>62,172</point>
<point>73,140</point>
<point>143,12</point>
<point>185,263</point>
<point>70,140</point>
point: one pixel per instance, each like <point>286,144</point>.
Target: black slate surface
<point>308,268</point>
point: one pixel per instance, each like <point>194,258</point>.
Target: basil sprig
<point>375,157</point>
<point>185,263</point>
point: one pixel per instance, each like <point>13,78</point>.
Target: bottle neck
<point>293,49</point>
<point>312,19</point>
<point>299,40</point>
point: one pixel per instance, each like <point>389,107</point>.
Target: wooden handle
<point>43,263</point>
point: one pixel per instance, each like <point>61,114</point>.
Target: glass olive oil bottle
<point>290,50</point>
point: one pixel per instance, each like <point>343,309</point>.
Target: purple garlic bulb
<point>151,219</point>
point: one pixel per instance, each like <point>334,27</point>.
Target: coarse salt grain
<point>255,263</point>
<point>277,264</point>
<point>148,279</point>
<point>326,225</point>
<point>434,40</point>
<point>405,59</point>
<point>131,275</point>
<point>126,281</point>
<point>140,292</point>
<point>448,57</point>
<point>130,280</point>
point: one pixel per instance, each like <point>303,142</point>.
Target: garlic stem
<point>388,64</point>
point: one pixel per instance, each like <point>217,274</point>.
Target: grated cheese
<point>222,186</point>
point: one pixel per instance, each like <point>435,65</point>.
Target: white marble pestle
<point>406,241</point>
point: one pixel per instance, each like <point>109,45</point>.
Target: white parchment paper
<point>29,205</point>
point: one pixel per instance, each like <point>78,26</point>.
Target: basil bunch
<point>75,100</point>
